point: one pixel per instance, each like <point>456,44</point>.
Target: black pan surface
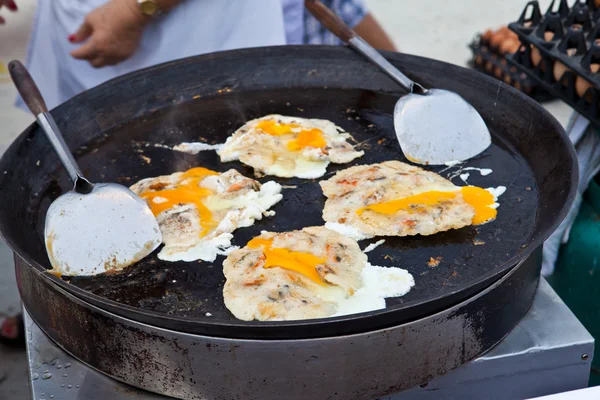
<point>115,128</point>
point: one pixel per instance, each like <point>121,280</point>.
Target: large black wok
<point>113,129</point>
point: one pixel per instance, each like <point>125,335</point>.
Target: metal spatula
<point>433,126</point>
<point>94,228</point>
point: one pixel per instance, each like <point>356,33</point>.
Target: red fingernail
<point>12,6</point>
<point>71,38</point>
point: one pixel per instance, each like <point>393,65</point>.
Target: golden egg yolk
<point>304,138</point>
<point>308,138</point>
<point>275,128</point>
<point>480,199</point>
<point>187,191</point>
<point>303,263</point>
<point>410,203</point>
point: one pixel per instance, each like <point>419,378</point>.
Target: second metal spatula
<point>433,126</point>
<point>94,228</point>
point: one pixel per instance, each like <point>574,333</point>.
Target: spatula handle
<point>33,98</point>
<point>329,20</point>
<point>335,24</point>
<point>27,88</point>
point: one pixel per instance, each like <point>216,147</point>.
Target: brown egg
<point>498,72</point>
<point>582,85</point>
<point>507,79</point>
<point>478,60</point>
<point>536,56</point>
<point>548,36</point>
<point>489,66</point>
<point>504,30</point>
<point>486,36</point>
<point>558,70</point>
<point>497,39</point>
<point>509,46</point>
<point>517,85</point>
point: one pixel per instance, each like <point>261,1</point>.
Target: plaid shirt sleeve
<point>351,11</point>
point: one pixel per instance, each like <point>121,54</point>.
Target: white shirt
<point>194,27</point>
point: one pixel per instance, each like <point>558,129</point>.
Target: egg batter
<point>310,273</point>
<point>289,146</point>
<point>197,210</point>
<point>396,199</point>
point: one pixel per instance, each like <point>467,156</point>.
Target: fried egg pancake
<point>304,274</point>
<point>197,210</point>
<point>289,146</point>
<point>396,199</point>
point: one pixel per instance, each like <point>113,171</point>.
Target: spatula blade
<point>439,127</point>
<point>103,231</point>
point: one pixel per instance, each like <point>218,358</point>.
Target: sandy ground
<point>431,28</point>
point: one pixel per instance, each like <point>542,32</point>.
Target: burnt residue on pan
<point>194,289</point>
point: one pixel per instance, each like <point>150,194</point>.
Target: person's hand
<point>10,4</point>
<point>112,33</point>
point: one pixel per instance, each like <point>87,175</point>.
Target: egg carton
<point>560,50</point>
<point>490,60</point>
